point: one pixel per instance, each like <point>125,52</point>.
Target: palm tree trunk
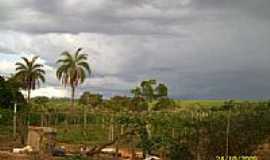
<point>72,97</point>
<point>28,95</point>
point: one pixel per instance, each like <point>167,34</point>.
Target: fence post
<point>14,121</point>
<point>112,128</point>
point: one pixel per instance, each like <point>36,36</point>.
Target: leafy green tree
<point>91,99</point>
<point>30,73</point>
<point>72,70</point>
<point>151,90</point>
<point>148,91</point>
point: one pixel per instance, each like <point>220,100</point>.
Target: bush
<point>138,104</point>
<point>163,104</point>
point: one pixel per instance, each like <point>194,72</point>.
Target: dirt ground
<point>5,155</point>
<point>7,143</point>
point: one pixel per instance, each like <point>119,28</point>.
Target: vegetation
<point>149,120</point>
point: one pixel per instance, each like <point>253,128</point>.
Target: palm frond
<point>39,70</point>
<point>66,60</point>
<point>86,66</point>
<point>77,52</point>
<point>27,62</point>
<point>35,66</point>
<point>41,77</point>
<point>82,75</point>
<point>21,65</point>
<point>21,68</point>
<point>66,55</point>
<point>33,61</point>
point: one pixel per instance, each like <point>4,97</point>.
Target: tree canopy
<point>150,90</point>
<point>30,73</point>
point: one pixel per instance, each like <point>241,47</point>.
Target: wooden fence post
<point>15,121</point>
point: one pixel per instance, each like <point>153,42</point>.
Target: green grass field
<point>207,102</point>
<point>204,103</point>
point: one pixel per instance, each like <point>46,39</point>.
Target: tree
<point>150,90</point>
<point>72,70</point>
<point>30,73</point>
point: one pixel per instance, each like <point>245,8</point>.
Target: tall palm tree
<point>72,70</point>
<point>30,73</point>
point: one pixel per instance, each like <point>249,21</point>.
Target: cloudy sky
<point>200,48</point>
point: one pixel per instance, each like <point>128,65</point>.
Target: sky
<point>203,49</point>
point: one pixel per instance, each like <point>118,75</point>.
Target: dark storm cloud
<point>119,17</point>
<point>200,48</point>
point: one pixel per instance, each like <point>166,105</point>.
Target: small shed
<point>41,139</point>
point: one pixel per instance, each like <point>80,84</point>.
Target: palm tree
<point>72,70</point>
<point>30,73</point>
